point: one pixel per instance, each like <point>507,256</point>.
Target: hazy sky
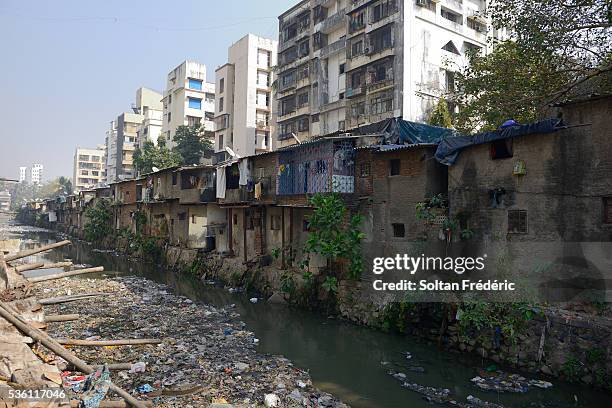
<point>67,68</point>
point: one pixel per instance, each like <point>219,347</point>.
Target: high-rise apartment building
<point>36,173</point>
<point>188,100</point>
<point>23,174</point>
<point>121,143</point>
<point>244,97</point>
<point>347,63</point>
<point>89,168</point>
<point>149,105</point>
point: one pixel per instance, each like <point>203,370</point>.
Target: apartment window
<point>195,84</point>
<point>475,25</point>
<point>381,39</point>
<point>382,10</point>
<point>314,118</point>
<point>341,125</point>
<point>95,173</point>
<point>341,95</point>
<point>263,78</point>
<point>303,99</point>
<point>501,149</point>
<point>194,103</point>
<point>517,221</point>
<point>356,21</point>
<point>83,157</point>
<point>304,48</point>
<point>357,48</point>
<point>365,169</point>
<point>169,98</point>
<point>169,116</point>
<point>381,104</point>
<point>221,104</point>
<point>607,210</point>
<point>468,47</point>
<point>303,72</point>
<point>357,79</point>
<point>451,16</point>
<point>449,81</point>
<point>275,222</point>
<point>303,125</point>
<point>394,167</point>
<point>399,230</point>
<point>450,47</point>
<point>84,173</point>
<point>95,158</point>
<point>193,120</point>
<point>342,67</point>
<point>221,142</point>
<point>358,109</point>
<point>209,97</point>
<point>221,85</point>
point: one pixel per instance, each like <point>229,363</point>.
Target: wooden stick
<point>61,318</point>
<point>71,298</point>
<point>112,367</point>
<point>123,342</point>
<point>65,274</point>
<point>111,404</point>
<point>7,312</point>
<point>28,267</point>
<point>44,248</point>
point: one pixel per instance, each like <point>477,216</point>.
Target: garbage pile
<point>206,354</point>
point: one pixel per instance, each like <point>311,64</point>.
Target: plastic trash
<point>253,300</point>
<point>145,389</point>
<point>138,367</point>
<point>271,400</point>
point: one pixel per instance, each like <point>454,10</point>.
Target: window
<point>95,158</point>
<point>303,99</point>
<point>169,98</point>
<point>607,210</point>
<point>235,219</point>
<point>381,104</point>
<point>95,173</point>
<point>341,95</point>
<point>195,84</point>
<point>364,169</point>
<point>357,48</point>
<point>221,85</point>
<point>358,109</point>
<point>193,120</point>
<point>315,118</point>
<point>471,48</point>
<point>381,39</point>
<point>341,124</point>
<point>221,142</point>
<point>303,125</point>
<point>221,104</point>
<point>450,47</point>
<point>356,21</point>
<point>399,230</point>
<point>342,67</point>
<point>83,157</point>
<point>174,179</point>
<point>193,219</point>
<point>394,167</point>
<point>169,116</point>
<point>84,173</point>
<point>194,103</point>
<point>501,149</point>
<point>517,221</point>
<point>275,222</point>
<point>357,79</point>
<point>450,81</point>
<point>451,16</point>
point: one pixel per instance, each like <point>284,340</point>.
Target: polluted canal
<point>350,362</point>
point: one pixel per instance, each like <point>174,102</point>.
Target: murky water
<point>343,358</point>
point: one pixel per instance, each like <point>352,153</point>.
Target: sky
<point>67,68</point>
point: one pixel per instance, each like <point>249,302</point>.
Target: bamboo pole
<point>29,252</point>
<point>112,367</point>
<point>111,404</point>
<point>71,298</point>
<point>28,267</point>
<point>122,342</point>
<point>61,318</point>
<point>65,274</point>
<point>11,315</point>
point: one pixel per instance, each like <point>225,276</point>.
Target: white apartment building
<point>5,201</point>
<point>149,105</point>
<point>23,174</point>
<point>244,97</point>
<point>188,100</point>
<point>89,168</point>
<point>347,63</point>
<point>36,173</point>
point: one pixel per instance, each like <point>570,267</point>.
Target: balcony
<point>353,92</point>
<point>333,48</point>
<point>262,125</point>
<point>332,22</point>
<point>222,122</point>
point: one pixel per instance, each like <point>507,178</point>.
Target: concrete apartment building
<point>244,97</point>
<point>149,105</point>
<point>5,201</point>
<point>347,63</point>
<point>36,173</point>
<point>89,168</point>
<point>23,174</point>
<point>188,100</point>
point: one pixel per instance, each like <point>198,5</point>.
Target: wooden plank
<point>44,248</point>
<point>65,274</point>
<point>122,342</point>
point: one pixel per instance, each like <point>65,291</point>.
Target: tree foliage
<point>440,116</point>
<point>558,49</point>
<point>191,143</point>
<point>330,236</point>
<point>99,221</point>
<point>155,156</point>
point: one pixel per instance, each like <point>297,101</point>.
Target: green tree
<point>191,143</point>
<point>330,236</point>
<point>558,49</point>
<point>440,116</point>
<point>154,156</point>
<point>99,221</point>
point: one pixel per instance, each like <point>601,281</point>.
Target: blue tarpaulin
<point>449,148</point>
<point>398,131</point>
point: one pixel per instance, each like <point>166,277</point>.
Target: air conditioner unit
<point>421,3</point>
